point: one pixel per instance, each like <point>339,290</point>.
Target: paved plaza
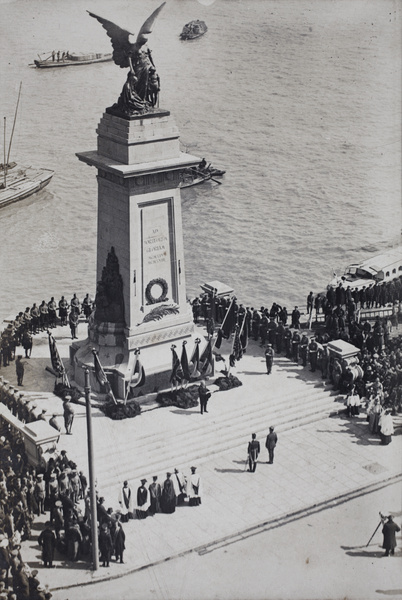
<point>322,458</point>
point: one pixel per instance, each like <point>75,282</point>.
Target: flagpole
<point>234,340</point>
<point>91,468</point>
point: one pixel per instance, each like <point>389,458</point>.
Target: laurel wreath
<point>162,283</point>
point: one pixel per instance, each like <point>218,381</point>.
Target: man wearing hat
<point>142,501</point>
<point>58,519</point>
<point>389,531</point>
<point>253,451</point>
<point>313,354</point>
<point>269,358</point>
<point>19,368</point>
<point>270,444</point>
<point>168,499</point>
<point>47,540</point>
<point>68,412</point>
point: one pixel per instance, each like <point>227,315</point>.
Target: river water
<point>299,100</point>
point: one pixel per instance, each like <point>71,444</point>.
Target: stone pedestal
<point>141,297</point>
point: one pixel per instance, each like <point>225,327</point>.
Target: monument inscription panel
<point>158,255</point>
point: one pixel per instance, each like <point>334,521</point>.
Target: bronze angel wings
<point>123,49</point>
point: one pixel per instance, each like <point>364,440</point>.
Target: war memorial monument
<point>141,320</point>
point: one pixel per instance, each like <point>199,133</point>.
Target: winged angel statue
<point>140,92</point>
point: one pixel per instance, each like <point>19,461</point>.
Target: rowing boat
<point>68,59</point>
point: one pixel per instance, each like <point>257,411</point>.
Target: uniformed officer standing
<point>312,354</point>
<point>269,358</point>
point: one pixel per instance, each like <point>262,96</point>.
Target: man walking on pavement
<point>253,451</point>
<point>271,441</point>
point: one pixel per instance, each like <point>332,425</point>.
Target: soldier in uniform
<point>73,319</point>
<point>313,353</point>
<point>35,314</point>
<point>295,346</point>
<point>75,304</point>
<point>19,367</point>
<point>269,358</point>
<point>287,337</point>
<point>63,310</point>
<point>43,315</point>
<point>296,318</point>
<point>255,324</point>
<point>52,308</point>
<point>303,349</point>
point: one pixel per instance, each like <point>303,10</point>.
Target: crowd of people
<point>372,378</point>
<point>19,503</point>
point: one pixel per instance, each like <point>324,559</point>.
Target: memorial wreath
<point>162,283</point>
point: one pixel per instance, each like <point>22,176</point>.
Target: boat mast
<point>12,131</point>
<point>4,160</point>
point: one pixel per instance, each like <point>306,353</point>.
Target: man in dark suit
<point>253,451</point>
<point>389,530</point>
<point>271,441</point>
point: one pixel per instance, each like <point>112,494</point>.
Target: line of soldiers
<point>41,318</point>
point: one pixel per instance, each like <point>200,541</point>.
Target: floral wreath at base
<point>148,290</point>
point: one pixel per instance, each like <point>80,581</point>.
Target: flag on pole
<point>218,340</point>
<point>195,360</point>
<point>184,363</point>
<point>137,375</point>
<point>229,321</point>
<point>102,377</point>
<point>57,363</point>
<point>177,374</point>
<point>206,360</point>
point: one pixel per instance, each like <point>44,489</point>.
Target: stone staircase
<point>169,437</point>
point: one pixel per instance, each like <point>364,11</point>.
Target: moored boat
<point>68,59</point>
<point>193,29</point>
<point>17,182</point>
<point>23,182</point>
<point>378,269</point>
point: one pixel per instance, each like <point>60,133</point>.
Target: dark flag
<point>184,363</point>
<point>229,321</point>
<point>101,376</point>
<point>195,360</point>
<point>218,340</point>
<point>207,360</point>
<point>176,374</point>
<point>57,363</point>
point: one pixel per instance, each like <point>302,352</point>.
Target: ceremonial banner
<point>206,360</point>
<point>102,377</point>
<point>184,363</point>
<point>177,374</point>
<point>57,363</point>
<point>229,321</point>
<point>195,360</point>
